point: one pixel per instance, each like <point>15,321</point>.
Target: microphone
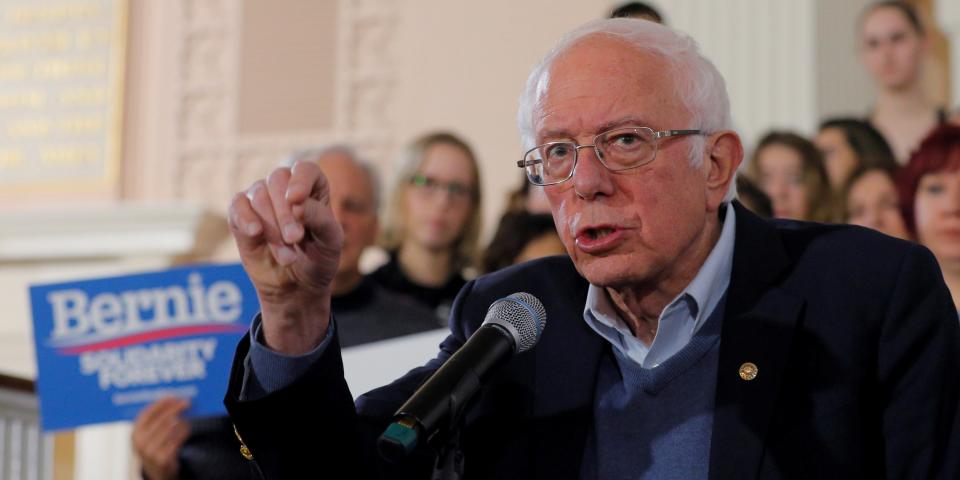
<point>513,325</point>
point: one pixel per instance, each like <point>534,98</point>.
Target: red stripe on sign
<point>152,336</point>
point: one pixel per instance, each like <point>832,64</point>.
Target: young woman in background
<point>433,221</point>
<point>871,200</point>
<point>893,44</point>
<point>789,169</point>
<point>849,144</point>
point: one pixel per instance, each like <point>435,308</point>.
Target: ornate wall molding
<point>209,43</point>
<point>211,160</point>
<point>948,16</point>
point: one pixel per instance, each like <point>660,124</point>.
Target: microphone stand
<point>449,464</point>
<point>450,459</point>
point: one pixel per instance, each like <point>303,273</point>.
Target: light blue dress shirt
<point>678,322</point>
<point>680,319</point>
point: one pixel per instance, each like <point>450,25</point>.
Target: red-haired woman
<point>930,191</point>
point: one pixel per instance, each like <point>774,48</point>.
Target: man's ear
<point>723,155</point>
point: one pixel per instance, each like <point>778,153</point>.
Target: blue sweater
<point>656,423</point>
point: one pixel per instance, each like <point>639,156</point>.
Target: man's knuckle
<point>278,175</point>
<point>238,199</point>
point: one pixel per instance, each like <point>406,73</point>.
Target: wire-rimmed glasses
<point>618,150</point>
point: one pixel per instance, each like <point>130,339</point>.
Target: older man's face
<point>634,227</point>
<point>351,198</point>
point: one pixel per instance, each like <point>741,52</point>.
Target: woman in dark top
<point>893,44</point>
<point>849,145</point>
<point>789,169</point>
<point>433,221</point>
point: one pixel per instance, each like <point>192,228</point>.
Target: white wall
<point>842,86</point>
<point>461,65</point>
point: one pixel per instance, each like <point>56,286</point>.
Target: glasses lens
<point>430,186</point>
<point>459,190</point>
<point>551,162</point>
<point>534,167</point>
<point>421,181</point>
<point>626,148</point>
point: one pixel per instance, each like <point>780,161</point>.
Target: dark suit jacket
<point>854,335</point>
<point>212,452</point>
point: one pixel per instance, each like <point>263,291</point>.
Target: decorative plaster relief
<point>204,58</point>
<point>212,160</point>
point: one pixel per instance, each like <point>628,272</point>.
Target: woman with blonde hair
<point>433,221</point>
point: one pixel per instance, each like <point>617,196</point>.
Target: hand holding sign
<point>158,434</point>
<point>290,246</point>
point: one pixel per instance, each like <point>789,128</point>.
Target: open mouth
<point>598,233</point>
<point>600,239</point>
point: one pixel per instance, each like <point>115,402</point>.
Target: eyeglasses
<point>618,150</point>
<point>456,190</point>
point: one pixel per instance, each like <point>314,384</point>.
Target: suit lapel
<point>758,328</point>
<point>757,333</point>
<point>565,371</point>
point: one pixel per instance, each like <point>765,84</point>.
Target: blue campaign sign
<point>107,347</point>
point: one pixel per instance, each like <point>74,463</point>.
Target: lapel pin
<point>243,447</point>
<point>748,371</point>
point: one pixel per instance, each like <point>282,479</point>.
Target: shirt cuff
<point>267,371</point>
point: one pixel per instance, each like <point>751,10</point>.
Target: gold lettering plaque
<point>61,95</point>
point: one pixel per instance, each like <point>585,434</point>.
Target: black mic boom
<point>513,324</point>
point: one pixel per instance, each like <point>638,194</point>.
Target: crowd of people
<point>871,171</point>
<point>895,169</point>
<point>431,233</point>
<point>866,170</point>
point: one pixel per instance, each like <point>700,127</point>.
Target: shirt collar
<point>714,276</point>
<point>701,296</point>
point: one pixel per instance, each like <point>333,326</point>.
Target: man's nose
<point>590,177</point>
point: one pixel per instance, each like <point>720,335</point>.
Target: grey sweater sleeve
<point>268,371</point>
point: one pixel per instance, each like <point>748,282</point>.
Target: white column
<point>843,86</point>
<point>947,13</point>
<point>765,51</point>
<point>103,453</point>
<point>787,63</point>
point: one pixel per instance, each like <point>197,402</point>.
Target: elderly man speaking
<point>686,337</point>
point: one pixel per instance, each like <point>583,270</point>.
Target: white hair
<point>316,154</point>
<point>697,83</point>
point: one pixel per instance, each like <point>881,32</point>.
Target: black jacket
<point>854,335</point>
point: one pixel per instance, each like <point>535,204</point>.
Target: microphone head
<point>522,316</point>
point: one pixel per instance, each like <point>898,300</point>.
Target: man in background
<point>171,447</point>
<point>365,311</point>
